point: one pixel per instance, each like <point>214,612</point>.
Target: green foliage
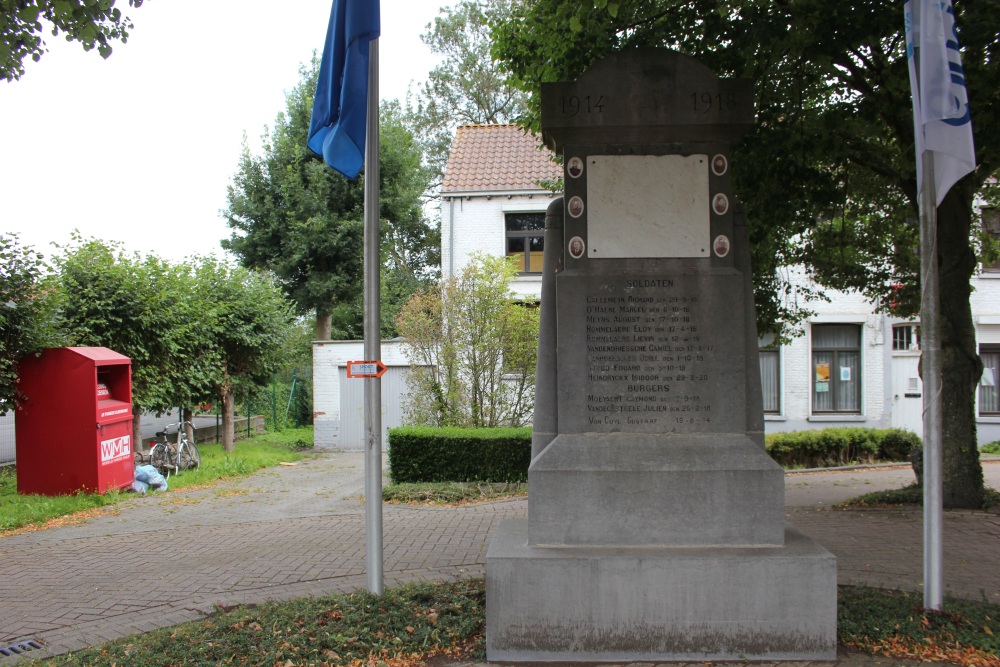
<point>303,221</point>
<point>991,448</point>
<point>278,404</point>
<point>450,493</point>
<point>27,317</point>
<point>248,321</point>
<point>17,511</point>
<point>827,176</point>
<point>472,349</point>
<point>141,307</point>
<point>417,621</point>
<point>93,23</point>
<point>840,446</point>
<point>896,444</point>
<point>912,495</point>
<point>194,331</point>
<point>247,318</point>
<point>426,454</point>
<point>467,87</point>
<point>895,623</point>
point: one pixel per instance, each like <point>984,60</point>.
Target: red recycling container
<point>74,425</point>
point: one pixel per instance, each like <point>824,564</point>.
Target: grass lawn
<point>409,625</point>
<point>18,512</point>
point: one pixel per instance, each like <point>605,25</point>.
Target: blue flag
<point>339,115</point>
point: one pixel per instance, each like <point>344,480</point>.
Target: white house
<point>852,366</point>
<point>491,200</point>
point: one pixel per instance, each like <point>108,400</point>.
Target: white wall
<point>985,302</point>
<point>328,356</point>
<point>876,353</point>
<point>479,227</point>
<point>797,371</point>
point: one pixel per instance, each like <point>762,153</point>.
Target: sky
<point>140,147</point>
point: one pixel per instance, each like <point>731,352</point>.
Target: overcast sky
<point>140,147</point>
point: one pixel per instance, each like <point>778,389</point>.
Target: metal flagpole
<point>931,370</point>
<point>373,341</point>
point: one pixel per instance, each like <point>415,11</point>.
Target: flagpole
<point>931,371</point>
<point>373,341</point>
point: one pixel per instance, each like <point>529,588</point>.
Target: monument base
<point>655,489</point>
<point>608,604</point>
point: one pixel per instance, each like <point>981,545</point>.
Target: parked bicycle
<point>169,456</point>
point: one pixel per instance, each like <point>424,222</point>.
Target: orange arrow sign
<point>365,369</point>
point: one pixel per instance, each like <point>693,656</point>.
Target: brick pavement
<point>298,531</point>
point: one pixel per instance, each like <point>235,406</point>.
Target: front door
<point>907,393</point>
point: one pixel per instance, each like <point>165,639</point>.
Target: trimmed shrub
<point>897,444</point>
<point>429,454</point>
<point>840,446</point>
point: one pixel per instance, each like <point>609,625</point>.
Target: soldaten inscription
<point>652,362</point>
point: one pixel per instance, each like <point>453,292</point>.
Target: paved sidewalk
<point>297,531</point>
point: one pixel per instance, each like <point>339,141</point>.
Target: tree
<point>142,307</point>
<point>248,322</point>
<point>27,316</point>
<point>296,217</point>
<point>93,23</point>
<point>467,87</point>
<point>472,349</point>
<point>828,174</point>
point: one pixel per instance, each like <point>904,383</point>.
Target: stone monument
<point>656,526</point>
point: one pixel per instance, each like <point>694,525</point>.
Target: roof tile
<point>497,158</point>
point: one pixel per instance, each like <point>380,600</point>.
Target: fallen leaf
<point>286,463</point>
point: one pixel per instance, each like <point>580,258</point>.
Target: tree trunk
<point>136,430</point>
<point>324,322</point>
<point>228,431</point>
<point>187,415</point>
<point>961,473</point>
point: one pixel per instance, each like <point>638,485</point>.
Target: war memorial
<point>656,527</point>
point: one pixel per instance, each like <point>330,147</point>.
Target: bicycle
<point>168,456</point>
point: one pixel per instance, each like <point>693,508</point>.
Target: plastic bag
<point>146,478</point>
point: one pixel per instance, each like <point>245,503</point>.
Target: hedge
<point>419,454</point>
<point>840,446</point>
<point>429,454</point>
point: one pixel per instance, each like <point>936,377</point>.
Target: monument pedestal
<point>655,526</point>
<point>616,604</point>
<point>642,489</point>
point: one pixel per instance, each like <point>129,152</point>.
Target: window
<point>525,238</point>
<point>770,375</point>
<point>989,403</point>
<point>836,365</point>
<point>991,223</point>
<point>905,338</point>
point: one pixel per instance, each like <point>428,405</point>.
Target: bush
<point>991,448</point>
<point>840,446</point>
<point>428,454</point>
<point>897,444</point>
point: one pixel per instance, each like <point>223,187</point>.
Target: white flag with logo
<point>941,120</point>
